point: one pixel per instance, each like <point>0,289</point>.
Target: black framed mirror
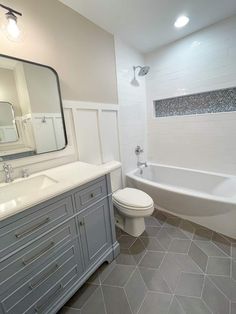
<point>31,114</point>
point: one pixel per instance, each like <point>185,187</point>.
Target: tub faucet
<point>7,168</point>
<point>140,164</point>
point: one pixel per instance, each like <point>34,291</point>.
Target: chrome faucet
<point>140,164</point>
<point>7,168</point>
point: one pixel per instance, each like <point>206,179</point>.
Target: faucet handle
<point>7,167</point>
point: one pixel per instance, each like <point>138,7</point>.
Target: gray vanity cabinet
<point>48,251</point>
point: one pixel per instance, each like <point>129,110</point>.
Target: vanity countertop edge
<point>66,177</point>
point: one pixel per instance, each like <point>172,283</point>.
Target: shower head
<point>142,70</point>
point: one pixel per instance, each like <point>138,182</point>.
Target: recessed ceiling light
<point>181,21</point>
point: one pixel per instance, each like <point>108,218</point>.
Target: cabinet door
<point>95,230</point>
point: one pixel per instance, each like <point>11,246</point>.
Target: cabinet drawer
<point>28,228</point>
<point>91,194</point>
<point>31,288</point>
<point>32,256</point>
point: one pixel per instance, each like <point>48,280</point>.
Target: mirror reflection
<point>8,130</point>
<point>31,118</point>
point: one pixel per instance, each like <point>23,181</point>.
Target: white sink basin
<point>12,193</point>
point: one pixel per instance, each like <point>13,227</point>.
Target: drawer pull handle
<point>44,277</point>
<point>43,251</point>
<point>92,195</point>
<point>31,229</point>
<point>40,308</point>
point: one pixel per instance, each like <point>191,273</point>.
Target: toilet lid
<point>133,198</point>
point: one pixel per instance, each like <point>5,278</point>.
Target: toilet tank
<point>116,179</point>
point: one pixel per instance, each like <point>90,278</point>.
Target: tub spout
<point>140,164</point>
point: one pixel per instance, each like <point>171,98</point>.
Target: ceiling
<point>148,24</point>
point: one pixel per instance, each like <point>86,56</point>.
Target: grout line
<point>218,288</point>
<point>104,300</point>
<point>179,304</point>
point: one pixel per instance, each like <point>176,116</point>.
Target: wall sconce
<point>12,27</point>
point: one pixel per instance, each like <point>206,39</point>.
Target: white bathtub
<point>206,198</point>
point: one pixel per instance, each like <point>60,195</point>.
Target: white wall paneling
<point>97,131</point>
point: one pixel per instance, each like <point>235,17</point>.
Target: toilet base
<point>134,226</point>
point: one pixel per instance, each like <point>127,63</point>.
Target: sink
<point>18,191</point>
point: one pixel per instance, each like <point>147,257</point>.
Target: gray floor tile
<point>82,296</point>
<point>175,307</point>
<point>68,310</point>
<point>170,271</point>
<point>118,276</point>
<point>179,246</point>
<point>215,300</point>
<point>150,231</point>
<point>154,280</point>
<point>193,305</point>
<point>152,244</point>
<point>164,239</point>
<point>233,308</point>
<point>234,269</point>
<point>187,228</point>
<point>151,221</point>
<point>186,263</point>
<point>160,216</point>
<point>175,232</point>
<point>203,234</point>
<point>95,279</point>
<point>125,258</point>
<point>115,300</point>
<point>209,248</point>
<point>190,285</point>
<point>149,288</point>
<point>225,285</point>
<point>172,221</point>
<point>126,241</point>
<point>137,250</point>
<point>222,243</point>
<point>152,259</point>
<point>105,269</point>
<point>218,266</point>
<point>156,303</point>
<point>198,256</point>
<point>95,304</point>
<point>135,290</point>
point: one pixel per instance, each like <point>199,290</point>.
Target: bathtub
<point>206,198</point>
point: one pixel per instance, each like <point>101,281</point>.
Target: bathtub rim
<point>184,191</point>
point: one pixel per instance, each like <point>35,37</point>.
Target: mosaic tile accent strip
<point>223,100</point>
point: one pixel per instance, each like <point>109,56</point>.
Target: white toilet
<point>131,206</point>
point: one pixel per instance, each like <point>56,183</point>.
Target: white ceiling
<point>148,24</point>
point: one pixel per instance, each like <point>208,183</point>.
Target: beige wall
<point>81,52</point>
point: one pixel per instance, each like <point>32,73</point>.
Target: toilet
<point>131,206</point>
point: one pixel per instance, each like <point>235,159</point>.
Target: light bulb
<point>181,21</point>
<point>12,27</point>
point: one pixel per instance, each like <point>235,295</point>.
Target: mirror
<point>8,130</point>
<point>31,115</point>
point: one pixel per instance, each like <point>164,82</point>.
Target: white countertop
<point>66,178</point>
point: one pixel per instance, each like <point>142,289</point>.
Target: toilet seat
<point>131,207</point>
<point>133,199</point>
